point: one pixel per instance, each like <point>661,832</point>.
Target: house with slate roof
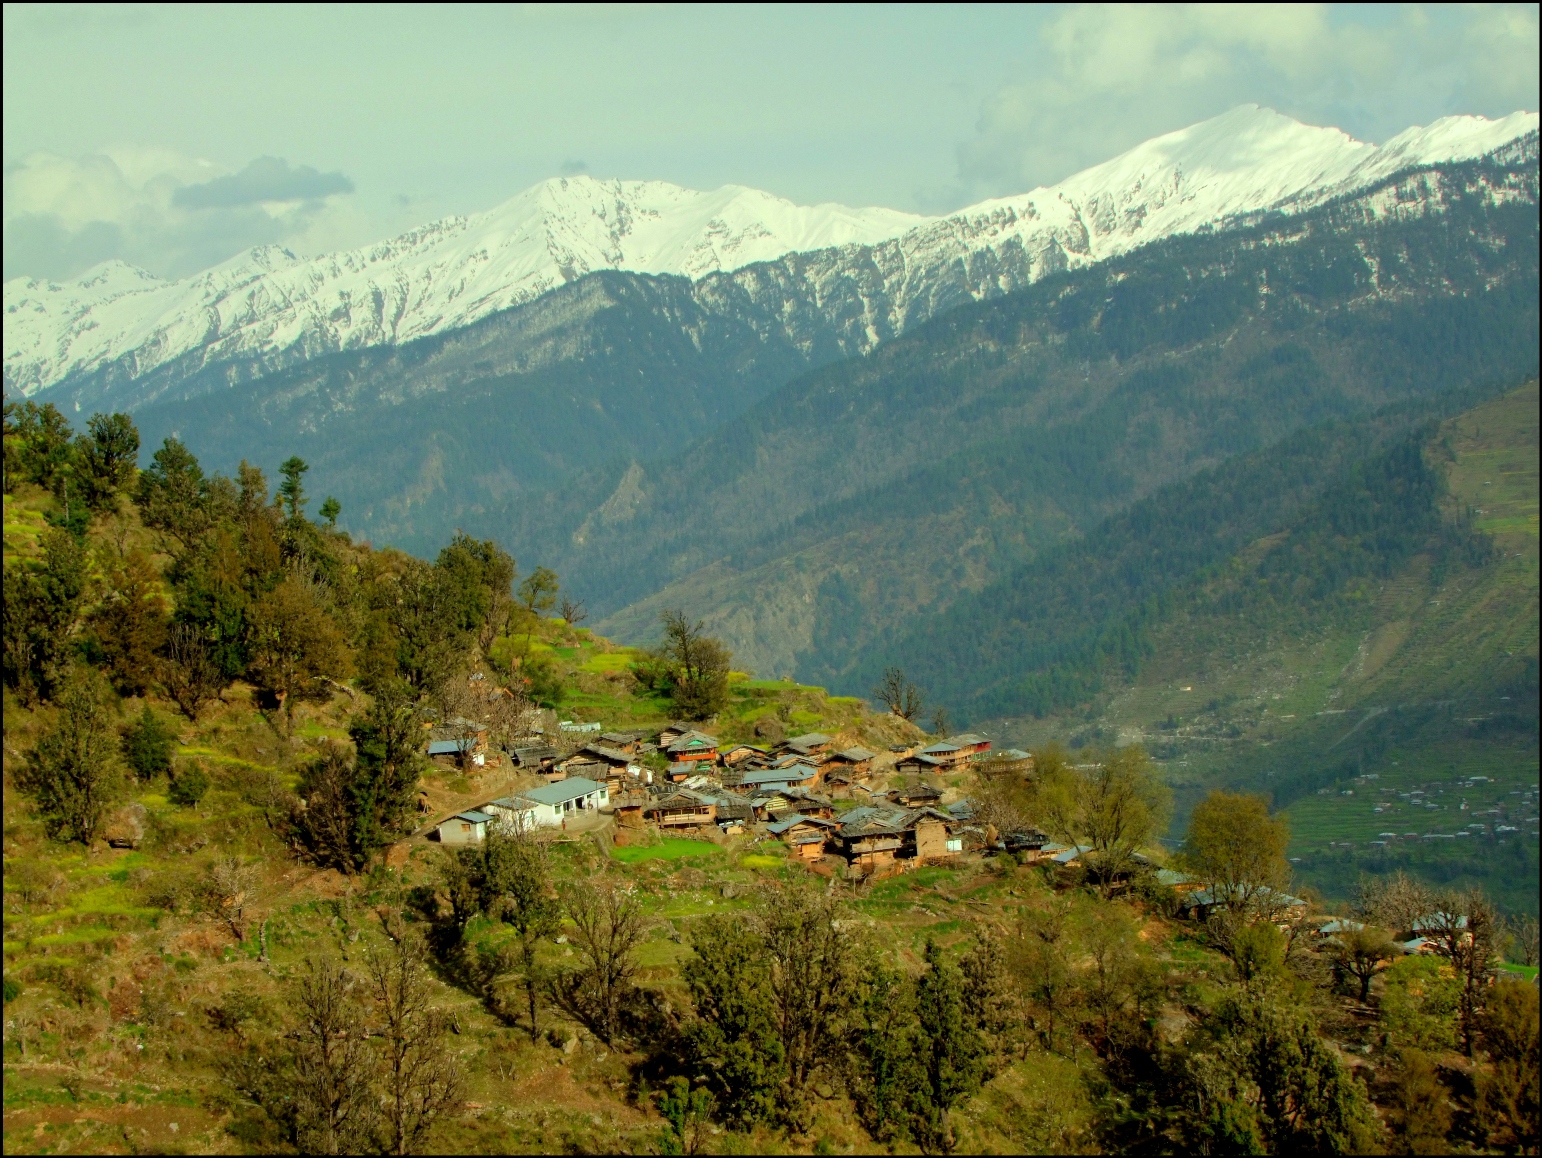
<point>920,763</point>
<point>672,731</point>
<point>628,742</point>
<point>693,747</point>
<point>740,753</point>
<point>807,801</point>
<point>871,837</point>
<point>808,744</point>
<point>854,761</point>
<point>916,795</point>
<point>971,744</point>
<point>1013,760</point>
<point>537,757</point>
<point>682,809</point>
<point>794,775</point>
<point>806,834</point>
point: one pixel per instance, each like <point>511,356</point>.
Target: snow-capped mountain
<point>269,308</point>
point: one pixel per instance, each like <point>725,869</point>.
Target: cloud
<point>169,214</point>
<point>1100,79</point>
<point>265,179</point>
<point>573,168</point>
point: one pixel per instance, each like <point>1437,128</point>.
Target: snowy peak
<point>1243,162</point>
<point>269,305</point>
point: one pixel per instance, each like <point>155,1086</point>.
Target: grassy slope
<point>1418,688</point>
<point>98,940</point>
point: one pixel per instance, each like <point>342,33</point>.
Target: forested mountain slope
<point>878,488</point>
<point>1351,613</point>
<point>467,425</point>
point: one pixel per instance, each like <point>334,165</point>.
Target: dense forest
<point>1336,519</point>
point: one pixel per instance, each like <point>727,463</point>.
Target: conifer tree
<point>949,1052</point>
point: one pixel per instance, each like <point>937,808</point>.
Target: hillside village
<point>316,847</point>
<point>871,814</point>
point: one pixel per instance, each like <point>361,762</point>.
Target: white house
<point>464,827</point>
<point>550,804</point>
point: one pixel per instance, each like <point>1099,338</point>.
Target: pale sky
<point>174,137</point>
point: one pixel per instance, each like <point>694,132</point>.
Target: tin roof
<point>557,792</point>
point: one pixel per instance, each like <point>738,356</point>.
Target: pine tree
<point>949,1050</point>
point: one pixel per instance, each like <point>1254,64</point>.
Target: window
<point>956,845</point>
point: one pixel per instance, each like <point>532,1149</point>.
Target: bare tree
<point>422,1079</point>
<point>473,705</point>
<point>572,611</point>
<point>1396,902</point>
<point>898,694</point>
<point>226,891</point>
<point>334,1106</point>
<point>188,671</point>
<point>609,925</point>
<point>1523,936</point>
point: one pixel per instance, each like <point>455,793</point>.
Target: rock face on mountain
<point>120,338</point>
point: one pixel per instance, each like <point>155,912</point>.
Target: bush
<point>1419,1003</point>
<point>189,786</point>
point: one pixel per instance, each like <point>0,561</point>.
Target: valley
<point>639,670</point>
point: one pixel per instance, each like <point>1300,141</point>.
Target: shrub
<point>189,786</point>
<point>1419,1003</point>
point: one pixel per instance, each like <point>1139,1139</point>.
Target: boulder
<point>125,828</point>
<point>769,728</point>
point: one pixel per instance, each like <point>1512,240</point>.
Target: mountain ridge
<point>268,308</point>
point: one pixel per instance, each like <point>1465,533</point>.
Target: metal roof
<point>472,815</point>
<point>557,792</point>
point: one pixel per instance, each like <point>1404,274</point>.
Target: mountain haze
<point>884,487</point>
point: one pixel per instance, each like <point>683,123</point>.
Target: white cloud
<point>64,215</point>
<point>1102,78</point>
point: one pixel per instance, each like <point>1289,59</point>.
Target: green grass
<point>670,848</point>
<point>761,860</point>
<point>603,662</point>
